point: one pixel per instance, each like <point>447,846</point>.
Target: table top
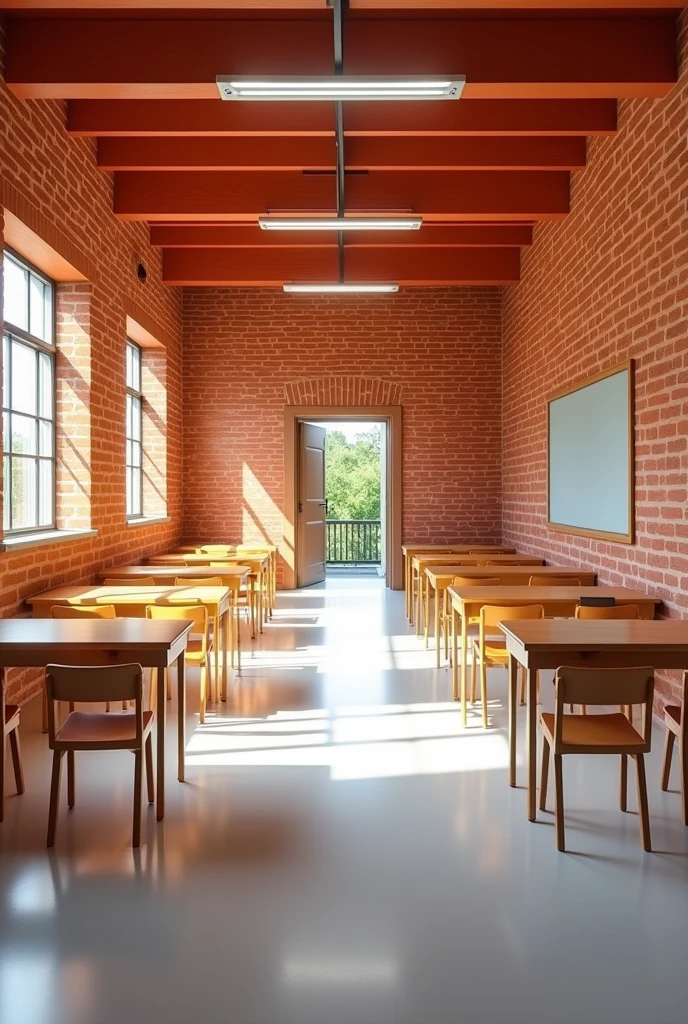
<point>455,549</point>
<point>161,573</point>
<point>130,594</point>
<point>421,561</point>
<point>547,595</point>
<point>598,634</point>
<point>48,635</point>
<point>187,558</point>
<point>435,572</point>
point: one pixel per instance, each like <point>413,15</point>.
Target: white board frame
<point>620,538</point>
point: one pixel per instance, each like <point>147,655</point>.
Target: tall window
<point>28,398</point>
<point>133,432</point>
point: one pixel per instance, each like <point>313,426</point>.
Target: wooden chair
<point>97,731</point>
<point>199,646</point>
<point>677,726</point>
<point>617,611</point>
<point>243,603</point>
<point>554,581</point>
<point>136,581</point>
<point>10,723</point>
<point>445,613</point>
<point>598,734</point>
<point>490,649</point>
<point>98,611</point>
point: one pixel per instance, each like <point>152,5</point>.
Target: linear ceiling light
<point>340,223</point>
<point>341,289</point>
<point>342,87</point>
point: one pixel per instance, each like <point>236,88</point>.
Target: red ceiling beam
<point>195,236</point>
<point>562,57</point>
<point>453,196</point>
<point>321,5</point>
<point>467,117</point>
<point>434,154</point>
<point>405,266</point>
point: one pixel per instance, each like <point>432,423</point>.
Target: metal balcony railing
<point>354,542</point>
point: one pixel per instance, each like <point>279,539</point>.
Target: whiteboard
<point>590,457</point>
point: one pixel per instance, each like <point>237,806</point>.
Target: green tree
<point>353,475</point>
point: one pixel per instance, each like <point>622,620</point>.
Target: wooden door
<point>312,508</point>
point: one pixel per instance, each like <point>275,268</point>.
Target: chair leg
<point>666,762</point>
<point>71,794</point>
<point>17,761</point>
<point>642,802</point>
<point>474,669</point>
<point>683,769</point>
<point>107,705</point>
<point>136,833</point>
<point>522,673</point>
<point>150,779</point>
<point>54,796</point>
<point>623,783</point>
<point>483,692</point>
<point>168,677</point>
<point>544,774</point>
<point>204,679</point>
<point>559,802</point>
<point>153,692</point>
<point>3,751</point>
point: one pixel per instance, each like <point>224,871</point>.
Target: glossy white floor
<point>341,854</point>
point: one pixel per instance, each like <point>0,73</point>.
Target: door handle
<point>323,504</point>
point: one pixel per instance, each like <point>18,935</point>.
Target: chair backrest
<point>215,549</point>
<point>474,581</point>
<point>598,686</point>
<point>493,614</point>
<point>136,581</point>
<point>617,611</point>
<point>554,581</point>
<point>73,611</point>
<point>196,613</point>
<point>204,581</point>
<point>93,684</point>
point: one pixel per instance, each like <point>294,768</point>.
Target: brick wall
<point>51,183</point>
<point>247,353</point>
<point>608,283</point>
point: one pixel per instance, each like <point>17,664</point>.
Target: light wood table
<point>257,563</point>
<point>131,600</point>
<point>451,548</point>
<point>466,603</point>
<point>157,645</point>
<point>591,643</point>
<point>440,577</point>
<point>245,549</point>
<point>419,563</point>
<point>234,577</point>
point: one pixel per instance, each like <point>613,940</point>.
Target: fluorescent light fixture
<point>342,87</point>
<point>340,223</point>
<point>341,289</point>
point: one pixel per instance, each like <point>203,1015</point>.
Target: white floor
<point>341,854</point>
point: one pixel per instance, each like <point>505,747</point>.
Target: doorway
<point>323,524</point>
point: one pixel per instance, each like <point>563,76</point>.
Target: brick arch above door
<point>342,390</point>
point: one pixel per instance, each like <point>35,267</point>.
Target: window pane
<point>24,474</point>
<point>16,285</point>
<point>136,454</point>
<point>136,492</point>
<point>136,419</point>
<point>135,368</point>
<point>45,490</point>
<point>23,435</point>
<point>37,318</point>
<point>7,493</point>
<point>5,431</point>
<point>130,376</point>
<point>23,378</point>
<point>45,439</point>
<point>5,370</point>
<point>128,457</point>
<point>45,385</point>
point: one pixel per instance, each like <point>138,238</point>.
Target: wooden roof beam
<point>195,236</point>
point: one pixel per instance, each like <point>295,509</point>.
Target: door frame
<point>391,416</point>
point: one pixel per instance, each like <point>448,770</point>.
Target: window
<point>28,398</point>
<point>133,432</point>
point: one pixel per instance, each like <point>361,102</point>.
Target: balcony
<point>353,543</point>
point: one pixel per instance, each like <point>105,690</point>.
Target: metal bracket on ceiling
<point>338,7</point>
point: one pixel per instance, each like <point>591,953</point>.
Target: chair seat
<point>495,648</point>
<point>672,717</point>
<point>594,731</point>
<point>101,728</point>
<point>194,648</point>
<point>11,711</point>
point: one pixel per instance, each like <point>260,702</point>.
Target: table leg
<point>215,682</point>
<point>226,643</point>
<point>445,623</point>
<point>531,741</point>
<point>437,628</point>
<point>253,608</point>
<point>260,602</point>
<point>160,712</point>
<point>181,719</point>
<point>419,601</point>
<point>407,587</point>
<point>455,653</point>
<point>3,745</point>
<point>238,642</point>
<point>464,670</point>
<point>513,704</point>
<point>426,610</point>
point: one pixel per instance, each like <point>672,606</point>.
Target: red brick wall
<point>51,181</point>
<point>608,283</point>
<point>247,349</point>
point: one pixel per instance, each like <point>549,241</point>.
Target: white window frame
<point>134,426</point>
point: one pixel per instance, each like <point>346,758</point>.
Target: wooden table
<point>244,549</point>
<point>131,600</point>
<point>419,563</point>
<point>451,548</point>
<point>257,564</point>
<point>234,577</point>
<point>157,645</point>
<point>440,577</point>
<point>466,603</point>
<point>591,643</point>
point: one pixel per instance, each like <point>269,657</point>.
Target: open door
<point>312,507</point>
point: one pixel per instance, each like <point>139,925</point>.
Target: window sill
<point>148,520</point>
<point>32,540</point>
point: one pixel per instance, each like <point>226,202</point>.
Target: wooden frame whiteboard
<point>590,456</point>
